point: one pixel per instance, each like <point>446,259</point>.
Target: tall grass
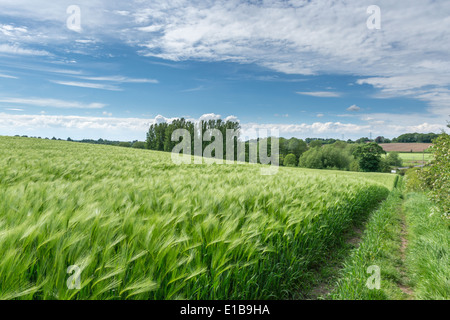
<point>428,255</point>
<point>140,227</point>
<point>379,246</point>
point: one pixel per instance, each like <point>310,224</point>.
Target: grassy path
<point>408,241</point>
<point>375,269</point>
<point>428,253</point>
<point>404,283</point>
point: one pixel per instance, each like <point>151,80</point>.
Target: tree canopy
<point>368,156</point>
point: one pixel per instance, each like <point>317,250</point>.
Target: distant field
<point>411,159</point>
<point>140,227</point>
<point>405,147</point>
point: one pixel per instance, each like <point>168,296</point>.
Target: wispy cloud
<point>11,31</point>
<point>7,76</point>
<point>408,57</point>
<point>199,88</point>
<point>16,50</point>
<point>321,94</point>
<point>121,79</point>
<point>53,103</point>
<point>88,85</point>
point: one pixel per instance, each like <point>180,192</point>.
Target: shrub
<point>413,181</point>
<point>393,159</point>
<point>335,156</point>
<point>139,145</point>
<point>290,160</point>
<point>437,176</point>
<point>125,144</point>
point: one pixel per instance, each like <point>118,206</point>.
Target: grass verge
<point>427,257</point>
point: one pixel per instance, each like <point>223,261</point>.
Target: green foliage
<point>416,138</point>
<point>159,135</point>
<point>315,144</point>
<point>290,160</point>
<point>354,166</point>
<point>139,145</point>
<point>311,159</point>
<point>394,159</point>
<point>413,181</point>
<point>384,166</point>
<point>437,176</point>
<point>141,227</point>
<point>293,145</point>
<point>336,156</point>
<point>125,144</point>
<point>362,140</point>
<point>369,156</point>
<point>297,147</point>
<point>382,140</point>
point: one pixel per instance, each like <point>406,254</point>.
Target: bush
<point>413,181</point>
<point>290,160</point>
<point>393,159</point>
<point>437,176</point>
<point>139,145</point>
<point>125,144</point>
<point>336,156</point>
<point>385,166</point>
<point>311,159</point>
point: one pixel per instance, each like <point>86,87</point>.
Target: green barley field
<point>136,226</point>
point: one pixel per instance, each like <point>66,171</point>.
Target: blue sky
<point>306,68</point>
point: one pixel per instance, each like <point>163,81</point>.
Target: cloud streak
<point>321,94</point>
<point>87,85</point>
<point>52,103</point>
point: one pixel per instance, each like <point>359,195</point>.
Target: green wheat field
<point>140,227</point>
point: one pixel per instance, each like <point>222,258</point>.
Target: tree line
<point>293,152</point>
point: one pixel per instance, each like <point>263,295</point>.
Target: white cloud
<point>2,75</point>
<point>408,56</point>
<point>349,130</point>
<point>87,85</point>
<point>121,79</point>
<point>152,28</point>
<point>78,122</point>
<point>12,31</point>
<point>53,103</point>
<point>210,116</point>
<point>85,41</point>
<point>232,119</point>
<point>16,50</point>
<point>160,119</point>
<point>354,108</point>
<point>321,94</point>
<point>135,128</point>
<point>304,130</point>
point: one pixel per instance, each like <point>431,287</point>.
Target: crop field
<point>136,226</point>
<point>405,147</point>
